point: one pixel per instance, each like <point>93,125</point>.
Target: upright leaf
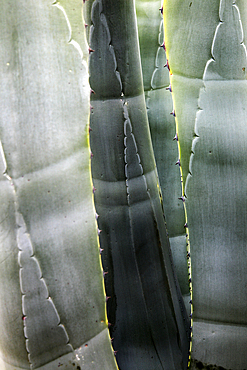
<point>52,300</point>
<point>215,199</point>
<point>146,311</point>
<point>163,131</point>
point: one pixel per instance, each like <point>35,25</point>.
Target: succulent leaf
<point>189,31</point>
<point>163,130</point>
<point>52,299</point>
<point>214,188</point>
<point>145,307</point>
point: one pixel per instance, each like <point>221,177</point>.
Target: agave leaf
<point>185,104</point>
<point>145,307</point>
<point>216,201</point>
<point>189,30</point>
<point>216,205</point>
<point>163,131</point>
<point>161,121</point>
<point>148,21</point>
<point>52,296</point>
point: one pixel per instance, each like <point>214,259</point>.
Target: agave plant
<point>52,295</point>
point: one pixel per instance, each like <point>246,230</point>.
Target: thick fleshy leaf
<point>215,193</point>
<point>216,205</point>
<point>163,130</point>
<point>148,21</point>
<point>189,31</point>
<point>52,296</point>
<point>159,109</point>
<point>145,307</point>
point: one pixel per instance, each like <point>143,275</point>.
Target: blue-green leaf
<point>145,307</point>
<point>52,298</point>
